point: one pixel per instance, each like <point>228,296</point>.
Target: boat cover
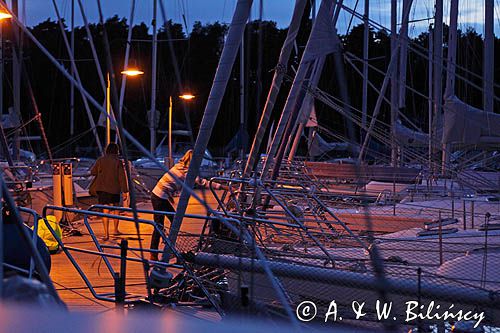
<point>469,125</point>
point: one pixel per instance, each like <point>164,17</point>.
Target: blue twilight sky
<point>471,11</point>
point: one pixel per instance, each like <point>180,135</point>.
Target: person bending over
<point>163,193</point>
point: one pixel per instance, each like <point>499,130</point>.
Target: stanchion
<point>120,277</point>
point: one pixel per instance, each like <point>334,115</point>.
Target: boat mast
<point>92,47</point>
<point>391,72</point>
<point>152,114</point>
<point>222,75</point>
<point>321,42</point>
<point>242,99</point>
<point>403,60</point>
<point>77,76</point>
<point>16,79</point>
<point>127,54</point>
<point>72,86</point>
<point>452,51</point>
<point>307,103</point>
<point>430,96</point>
<point>394,83</point>
<point>275,85</point>
<point>450,71</point>
<point>489,56</point>
<point>438,70</point>
<point>3,138</point>
<point>366,54</point>
<point>259,60</point>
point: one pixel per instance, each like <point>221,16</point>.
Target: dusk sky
<point>471,11</point>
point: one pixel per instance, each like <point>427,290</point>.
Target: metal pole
<point>472,213</point>
<point>170,158</point>
<point>430,97</point>
<point>1,68</point>
<point>72,86</point>
<point>440,239</point>
<point>452,50</point>
<point>3,138</point>
<point>394,81</point>
<point>127,54</point>
<point>438,69</point>
<point>366,40</point>
<point>16,80</point>
<point>152,119</point>
<point>450,72</point>
<point>1,242</point>
<point>322,27</point>
<point>120,278</point>
<point>242,98</point>
<point>108,110</point>
<point>391,72</point>
<point>489,56</point>
<point>73,65</point>
<point>394,195</point>
<point>92,47</point>
<point>452,201</point>
<point>305,110</point>
<point>403,59</point>
<point>222,75</point>
<point>275,85</point>
<point>465,216</point>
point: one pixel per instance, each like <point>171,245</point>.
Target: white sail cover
<point>469,125</point>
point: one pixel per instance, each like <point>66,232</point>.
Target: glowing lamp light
<point>4,15</point>
<point>187,97</point>
<point>132,72</point>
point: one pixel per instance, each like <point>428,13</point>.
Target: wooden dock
<point>72,288</point>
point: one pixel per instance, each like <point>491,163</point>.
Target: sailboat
<point>289,231</point>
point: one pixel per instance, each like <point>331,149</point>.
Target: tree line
<point>197,55</point>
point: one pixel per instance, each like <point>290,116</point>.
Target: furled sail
<point>469,125</point>
<point>409,137</point>
<point>320,146</point>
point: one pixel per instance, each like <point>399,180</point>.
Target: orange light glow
<point>187,97</point>
<point>4,15</point>
<point>132,72</point>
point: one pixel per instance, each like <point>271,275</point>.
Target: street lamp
<point>132,72</point>
<point>4,15</point>
<point>128,72</point>
<point>186,97</point>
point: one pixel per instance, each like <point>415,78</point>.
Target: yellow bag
<point>45,234</point>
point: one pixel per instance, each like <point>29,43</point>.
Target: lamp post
<point>186,97</point>
<point>129,72</point>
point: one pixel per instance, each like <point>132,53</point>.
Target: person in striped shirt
<point>163,193</point>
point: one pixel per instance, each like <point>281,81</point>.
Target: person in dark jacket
<point>109,183</point>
